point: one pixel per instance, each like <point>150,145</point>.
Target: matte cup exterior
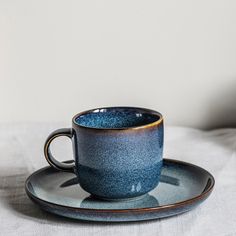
<point>114,163</point>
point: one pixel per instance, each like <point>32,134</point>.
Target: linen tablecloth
<point>21,153</point>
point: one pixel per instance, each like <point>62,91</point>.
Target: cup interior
<point>116,118</point>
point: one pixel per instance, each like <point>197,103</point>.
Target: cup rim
<point>148,125</point>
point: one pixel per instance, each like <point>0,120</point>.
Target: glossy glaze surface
<point>182,187</point>
<point>113,159</point>
<point>116,118</point>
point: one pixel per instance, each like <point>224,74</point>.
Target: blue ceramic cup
<point>117,151</point>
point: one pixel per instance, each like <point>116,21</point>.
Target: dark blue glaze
<point>122,163</point>
<point>117,184</point>
<point>115,118</point>
<point>117,151</point>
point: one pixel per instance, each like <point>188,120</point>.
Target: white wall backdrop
<point>60,57</point>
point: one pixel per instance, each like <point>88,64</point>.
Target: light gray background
<point>60,57</point>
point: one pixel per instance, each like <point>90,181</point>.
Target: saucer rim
<point>200,197</point>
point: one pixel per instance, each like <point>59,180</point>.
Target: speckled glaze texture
<point>182,187</point>
<point>116,118</point>
<point>118,151</point>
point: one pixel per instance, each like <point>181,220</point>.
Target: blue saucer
<point>182,187</point>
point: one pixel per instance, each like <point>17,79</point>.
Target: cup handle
<point>68,167</point>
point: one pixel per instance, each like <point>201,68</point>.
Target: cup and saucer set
<point>118,173</point>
